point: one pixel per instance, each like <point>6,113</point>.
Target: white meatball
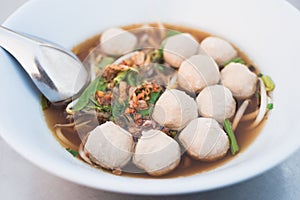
<point>110,146</point>
<point>204,139</point>
<point>156,153</point>
<point>220,50</point>
<point>239,80</point>
<point>116,41</point>
<point>174,109</point>
<point>216,102</point>
<point>178,48</point>
<point>197,72</point>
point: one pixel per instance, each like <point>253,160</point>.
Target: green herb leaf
<point>105,61</point>
<point>86,95</point>
<point>133,78</point>
<point>144,113</point>
<point>97,106</point>
<point>147,112</point>
<point>172,33</point>
<point>102,85</point>
<point>268,82</point>
<point>153,97</point>
<point>73,152</point>
<point>106,108</point>
<point>235,60</point>
<point>118,108</point>
<point>44,102</point>
<point>233,143</point>
<point>270,106</point>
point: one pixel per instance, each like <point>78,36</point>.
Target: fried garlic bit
<point>111,71</point>
<point>138,59</point>
<point>103,98</point>
<point>140,95</point>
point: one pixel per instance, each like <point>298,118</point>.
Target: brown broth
<point>56,114</point>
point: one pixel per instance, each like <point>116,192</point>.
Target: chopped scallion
<point>89,92</point>
<point>235,60</point>
<point>157,55</point>
<point>268,82</point>
<point>233,143</point>
<point>270,106</point>
<point>173,133</point>
<point>120,77</point>
<point>72,151</point>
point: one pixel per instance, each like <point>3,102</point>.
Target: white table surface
<point>21,180</point>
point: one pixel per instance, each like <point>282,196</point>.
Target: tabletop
<point>21,180</point>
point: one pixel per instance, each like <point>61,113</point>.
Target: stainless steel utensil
<point>56,71</point>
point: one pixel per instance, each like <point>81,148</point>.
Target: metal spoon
<point>57,72</point>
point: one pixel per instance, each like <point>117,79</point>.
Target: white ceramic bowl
<point>267,31</point>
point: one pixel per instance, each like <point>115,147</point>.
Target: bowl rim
<point>114,184</point>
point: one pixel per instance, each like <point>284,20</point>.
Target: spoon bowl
<point>56,71</point>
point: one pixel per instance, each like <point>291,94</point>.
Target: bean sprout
<point>250,116</point>
<point>239,114</point>
<point>263,105</point>
<point>64,140</point>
